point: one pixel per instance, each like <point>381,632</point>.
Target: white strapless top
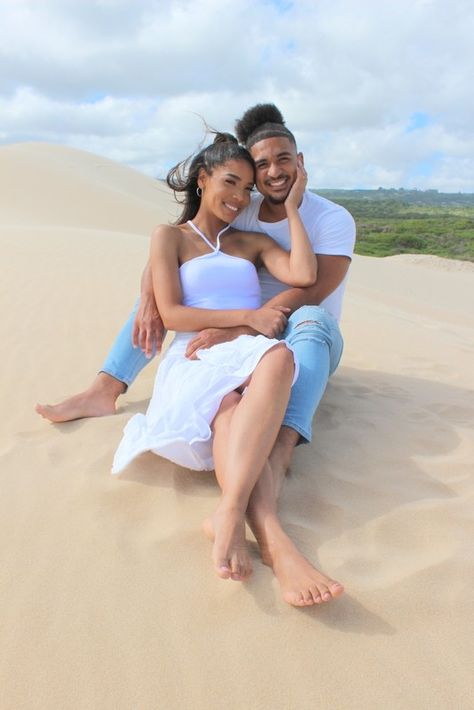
<point>218,280</point>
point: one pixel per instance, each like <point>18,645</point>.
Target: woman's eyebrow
<point>236,177</point>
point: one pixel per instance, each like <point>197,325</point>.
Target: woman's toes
<point>236,571</point>
<point>308,597</point>
<point>336,589</point>
<point>241,570</point>
<point>223,569</point>
<point>316,595</point>
<point>324,592</point>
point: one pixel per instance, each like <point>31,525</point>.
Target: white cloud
<point>123,79</point>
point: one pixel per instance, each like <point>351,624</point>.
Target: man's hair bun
<point>260,122</point>
<point>255,117</point>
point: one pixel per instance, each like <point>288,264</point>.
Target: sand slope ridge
<point>107,591</point>
<point>51,185</point>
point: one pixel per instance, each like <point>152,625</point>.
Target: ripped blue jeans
<point>315,337</point>
<point>311,331</point>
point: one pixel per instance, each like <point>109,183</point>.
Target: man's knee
<point>308,315</point>
<point>311,324</point>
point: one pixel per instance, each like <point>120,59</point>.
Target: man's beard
<point>277,200</point>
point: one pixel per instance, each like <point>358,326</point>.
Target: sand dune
<point>108,597</point>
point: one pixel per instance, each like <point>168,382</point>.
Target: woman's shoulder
<point>166,230</point>
<point>166,239</point>
<point>167,234</point>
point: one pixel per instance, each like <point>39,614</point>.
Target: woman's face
<point>226,192</point>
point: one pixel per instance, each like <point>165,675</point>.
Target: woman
<point>224,409</point>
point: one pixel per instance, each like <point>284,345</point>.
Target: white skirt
<point>186,397</point>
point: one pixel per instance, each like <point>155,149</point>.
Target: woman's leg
<point>301,583</point>
<point>317,341</point>
<point>245,430</point>
<point>238,565</point>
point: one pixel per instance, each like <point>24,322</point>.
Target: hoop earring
<point>198,191</point>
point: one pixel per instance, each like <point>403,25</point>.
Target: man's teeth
<point>278,183</point>
<point>234,209</point>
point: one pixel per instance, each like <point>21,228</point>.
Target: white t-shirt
<point>330,228</point>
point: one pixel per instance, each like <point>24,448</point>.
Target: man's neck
<point>270,212</point>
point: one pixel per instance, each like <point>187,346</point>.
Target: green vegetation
<point>410,221</point>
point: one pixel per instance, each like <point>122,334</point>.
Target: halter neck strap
<point>215,247</point>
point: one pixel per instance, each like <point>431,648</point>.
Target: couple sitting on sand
<point>238,387</point>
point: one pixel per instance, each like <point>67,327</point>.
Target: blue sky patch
<point>282,5</point>
<point>94,97</point>
<point>426,167</point>
<point>418,120</point>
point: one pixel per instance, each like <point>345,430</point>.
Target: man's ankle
<point>108,385</point>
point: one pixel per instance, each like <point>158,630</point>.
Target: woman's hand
<point>270,321</point>
<point>148,330</point>
<point>296,193</point>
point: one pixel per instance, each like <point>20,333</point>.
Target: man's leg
<point>317,341</point>
<point>315,337</point>
<point>119,370</point>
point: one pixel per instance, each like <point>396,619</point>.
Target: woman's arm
<point>168,295</point>
<point>299,267</point>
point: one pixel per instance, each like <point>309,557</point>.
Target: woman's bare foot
<point>226,528</point>
<point>301,583</point>
<point>97,401</point>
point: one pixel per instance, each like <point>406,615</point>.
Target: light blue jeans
<point>311,331</point>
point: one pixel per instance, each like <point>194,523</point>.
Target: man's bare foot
<point>97,401</point>
<point>80,405</point>
<point>226,528</point>
<point>301,583</point>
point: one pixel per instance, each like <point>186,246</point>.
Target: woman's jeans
<point>311,331</point>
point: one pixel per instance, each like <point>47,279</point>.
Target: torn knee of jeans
<point>307,322</point>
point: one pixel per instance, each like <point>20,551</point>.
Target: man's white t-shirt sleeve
<point>336,234</point>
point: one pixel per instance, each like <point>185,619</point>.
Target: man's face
<point>275,161</point>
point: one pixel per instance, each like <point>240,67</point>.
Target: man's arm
<point>148,330</point>
<point>331,273</point>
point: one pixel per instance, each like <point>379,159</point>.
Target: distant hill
<point>410,221</point>
<point>400,195</point>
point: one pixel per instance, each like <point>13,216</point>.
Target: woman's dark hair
<point>184,176</point>
<point>260,122</point>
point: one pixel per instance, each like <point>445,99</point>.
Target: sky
<point>378,94</point>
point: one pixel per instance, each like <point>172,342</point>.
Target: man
<point>312,330</point>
